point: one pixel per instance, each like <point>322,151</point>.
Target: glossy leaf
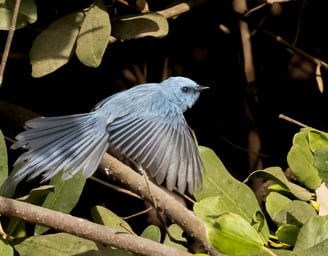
<point>231,234</point>
<point>301,160</point>
<point>222,193</point>
<point>139,25</point>
<point>94,35</point>
<point>55,45</point>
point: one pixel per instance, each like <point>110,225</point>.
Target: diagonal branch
<point>85,229</point>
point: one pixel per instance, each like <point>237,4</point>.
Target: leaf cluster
<point>84,33</point>
<point>297,206</point>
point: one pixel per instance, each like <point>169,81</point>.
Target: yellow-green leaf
<point>94,35</point>
<point>232,235</point>
<point>54,46</point>
<point>139,25</point>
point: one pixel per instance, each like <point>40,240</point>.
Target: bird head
<point>182,91</point>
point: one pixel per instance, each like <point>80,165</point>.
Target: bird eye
<point>185,89</point>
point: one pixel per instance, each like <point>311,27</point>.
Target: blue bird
<point>145,124</point>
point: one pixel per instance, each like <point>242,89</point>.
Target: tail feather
<point>72,143</point>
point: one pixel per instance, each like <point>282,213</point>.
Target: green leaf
<point>27,14</point>
<point>104,216</point>
<point>317,139</point>
<point>275,203</point>
<point>295,212</point>
<point>3,159</point>
<point>288,233</point>
<point>224,193</point>
<point>177,233</point>
<point>37,195</point>
<point>301,160</point>
<point>321,162</point>
<point>65,196</point>
<point>313,237</point>
<point>112,251</point>
<point>60,244</point>
<point>16,226</point>
<point>94,35</point>
<point>5,19</point>
<point>152,232</point>
<point>276,174</point>
<point>139,25</point>
<point>227,230</point>
<point>6,249</point>
<point>55,45</point>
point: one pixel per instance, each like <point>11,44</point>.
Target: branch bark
<point>84,228</point>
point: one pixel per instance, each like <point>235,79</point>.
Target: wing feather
<point>163,146</point>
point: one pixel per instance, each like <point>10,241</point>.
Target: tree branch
<point>84,228</point>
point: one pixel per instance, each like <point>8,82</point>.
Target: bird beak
<point>201,88</point>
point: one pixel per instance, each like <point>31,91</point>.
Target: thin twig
<point>291,120</point>
<point>116,188</point>
<point>9,40</point>
<point>284,42</point>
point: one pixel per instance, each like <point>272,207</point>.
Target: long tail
<point>72,143</point>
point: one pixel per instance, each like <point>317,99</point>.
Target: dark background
<point>196,48</point>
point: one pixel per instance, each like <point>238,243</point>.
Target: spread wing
<point>162,145</point>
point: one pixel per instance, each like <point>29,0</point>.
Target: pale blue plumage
<point>144,124</point>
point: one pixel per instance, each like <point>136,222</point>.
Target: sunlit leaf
<point>317,139</point>
<point>301,160</point>
<point>94,35</point>
<point>55,45</point>
<point>139,25</point>
<point>228,194</point>
<point>232,235</point>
